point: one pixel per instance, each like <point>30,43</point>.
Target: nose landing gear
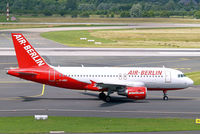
<point>165,97</point>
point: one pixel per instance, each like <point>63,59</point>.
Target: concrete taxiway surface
<point>121,26</point>
<point>19,98</point>
<point>108,52</point>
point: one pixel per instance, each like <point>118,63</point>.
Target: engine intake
<point>136,93</point>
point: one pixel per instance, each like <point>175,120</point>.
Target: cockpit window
<point>181,75</point>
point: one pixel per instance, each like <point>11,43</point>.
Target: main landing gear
<point>165,97</point>
<point>104,97</point>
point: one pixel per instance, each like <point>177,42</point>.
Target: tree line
<point>104,8</point>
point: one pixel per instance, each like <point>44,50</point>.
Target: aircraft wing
<point>113,85</point>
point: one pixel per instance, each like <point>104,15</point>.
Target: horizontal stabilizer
<point>27,73</point>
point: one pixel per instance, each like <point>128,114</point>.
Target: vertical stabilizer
<point>27,56</point>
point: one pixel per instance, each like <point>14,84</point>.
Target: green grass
<point>94,124</point>
<point>132,38</point>
<point>2,18</point>
<point>72,38</point>
<point>195,76</point>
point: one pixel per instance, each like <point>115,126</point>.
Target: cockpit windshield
<point>181,75</point>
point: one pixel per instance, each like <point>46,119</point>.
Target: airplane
<point>132,82</point>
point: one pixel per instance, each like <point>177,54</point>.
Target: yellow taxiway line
<point>20,98</point>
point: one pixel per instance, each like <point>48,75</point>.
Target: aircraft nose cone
<point>190,82</point>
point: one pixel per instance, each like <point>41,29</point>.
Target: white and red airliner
<point>132,82</point>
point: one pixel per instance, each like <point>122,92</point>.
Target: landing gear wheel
<point>102,95</point>
<point>165,95</point>
<point>165,98</point>
<point>107,99</point>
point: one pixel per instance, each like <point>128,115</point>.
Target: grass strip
<point>195,76</point>
<point>72,38</point>
<point>94,124</point>
<point>130,38</point>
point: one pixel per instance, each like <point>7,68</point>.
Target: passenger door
<point>167,77</point>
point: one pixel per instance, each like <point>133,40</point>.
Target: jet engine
<point>136,93</point>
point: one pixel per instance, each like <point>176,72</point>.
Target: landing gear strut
<point>165,97</point>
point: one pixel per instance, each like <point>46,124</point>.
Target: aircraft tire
<point>102,96</point>
<point>165,98</point>
<point>107,99</point>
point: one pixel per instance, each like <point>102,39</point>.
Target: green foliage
<point>197,15</point>
<point>112,15</point>
<point>85,15</point>
<point>165,14</point>
<point>124,14</point>
<point>104,6</point>
<point>47,13</point>
<point>62,12</point>
<point>71,5</point>
<point>170,5</point>
<point>86,7</point>
<point>74,15</point>
<point>136,10</point>
<point>148,14</point>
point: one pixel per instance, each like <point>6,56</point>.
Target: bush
<point>62,13</point>
<point>112,15</point>
<point>197,14</point>
<point>165,14</point>
<point>136,10</point>
<point>74,15</point>
<point>85,15</point>
<point>148,14</point>
<point>124,14</point>
<point>47,13</point>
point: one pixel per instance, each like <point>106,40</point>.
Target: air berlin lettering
<point>135,93</point>
<point>38,60</point>
<point>145,72</point>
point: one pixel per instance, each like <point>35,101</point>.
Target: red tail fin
<point>27,56</point>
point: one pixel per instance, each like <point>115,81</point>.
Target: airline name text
<point>38,60</point>
<point>145,72</point>
<point>135,93</point>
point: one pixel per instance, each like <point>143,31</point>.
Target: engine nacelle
<point>136,93</point>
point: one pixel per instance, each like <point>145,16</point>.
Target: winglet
<point>27,56</point>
